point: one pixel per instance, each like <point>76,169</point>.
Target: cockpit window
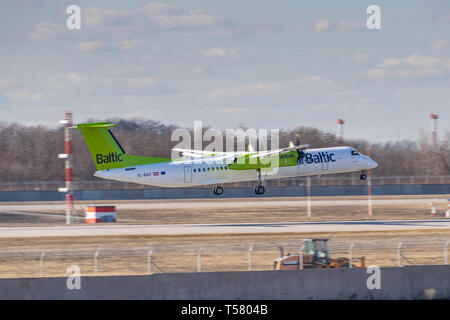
<point>355,153</point>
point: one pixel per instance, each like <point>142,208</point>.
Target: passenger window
<point>208,169</point>
<point>204,169</point>
<point>221,168</point>
<point>194,171</point>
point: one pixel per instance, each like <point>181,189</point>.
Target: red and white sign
<point>97,214</point>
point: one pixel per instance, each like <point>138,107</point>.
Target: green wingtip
<point>95,125</point>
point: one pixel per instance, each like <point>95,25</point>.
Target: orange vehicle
<point>315,255</point>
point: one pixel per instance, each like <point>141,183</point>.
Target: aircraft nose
<point>372,164</point>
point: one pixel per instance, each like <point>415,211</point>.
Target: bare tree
<point>30,153</point>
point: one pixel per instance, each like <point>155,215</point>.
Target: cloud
<point>413,65</point>
<point>351,25</point>
<point>24,95</point>
<point>104,25</point>
<point>444,17</point>
<point>151,15</point>
<point>45,31</point>
<point>133,101</point>
<point>3,99</point>
<point>114,25</point>
<point>129,45</point>
<point>314,80</point>
<point>219,52</point>
<point>90,45</point>
<point>89,83</point>
<point>321,25</point>
<point>166,16</point>
<point>80,79</point>
<point>8,83</point>
<point>421,72</point>
<point>413,60</point>
<point>70,78</point>
<point>247,89</point>
<point>146,58</point>
<point>325,24</point>
<point>94,17</point>
<point>201,70</point>
<point>141,81</point>
<point>360,58</point>
<point>234,111</point>
<point>76,85</point>
<point>439,46</point>
<point>367,100</point>
<point>126,45</point>
<point>197,71</point>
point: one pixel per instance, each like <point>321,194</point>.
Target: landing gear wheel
<point>218,190</point>
<point>363,176</point>
<point>260,189</point>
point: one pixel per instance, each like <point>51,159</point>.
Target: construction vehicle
<point>315,255</point>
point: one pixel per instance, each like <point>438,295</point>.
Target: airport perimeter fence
<point>208,258</point>
<point>285,182</point>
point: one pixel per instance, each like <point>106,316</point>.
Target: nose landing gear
<point>363,175</point>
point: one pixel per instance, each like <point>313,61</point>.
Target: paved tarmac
<point>225,228</point>
<point>225,204</point>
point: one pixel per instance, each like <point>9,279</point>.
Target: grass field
<point>122,255</point>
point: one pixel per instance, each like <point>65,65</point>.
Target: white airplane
<point>198,167</point>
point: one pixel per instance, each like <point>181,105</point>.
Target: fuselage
<point>215,169</point>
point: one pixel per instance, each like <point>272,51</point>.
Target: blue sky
<point>262,64</point>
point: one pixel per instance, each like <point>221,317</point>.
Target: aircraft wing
<point>204,153</point>
<point>250,160</point>
<point>263,154</point>
<point>277,158</point>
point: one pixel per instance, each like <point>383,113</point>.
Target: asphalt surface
<point>226,228</point>
<point>223,228</point>
<point>227,204</point>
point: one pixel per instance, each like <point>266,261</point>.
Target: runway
<point>228,228</point>
<point>228,204</point>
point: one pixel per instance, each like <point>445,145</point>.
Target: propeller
<point>300,153</point>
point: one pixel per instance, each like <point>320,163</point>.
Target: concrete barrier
<point>237,192</point>
<point>412,282</point>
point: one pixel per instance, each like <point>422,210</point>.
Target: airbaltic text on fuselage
<point>319,157</point>
<point>110,157</point>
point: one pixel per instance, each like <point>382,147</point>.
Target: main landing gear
<point>259,189</point>
<point>218,190</point>
<point>363,175</point>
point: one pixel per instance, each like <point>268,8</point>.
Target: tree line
<point>30,153</point>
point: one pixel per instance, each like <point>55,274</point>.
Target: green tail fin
<point>106,150</point>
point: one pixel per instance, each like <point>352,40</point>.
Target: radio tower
<point>434,118</point>
<point>67,155</point>
<point>340,130</point>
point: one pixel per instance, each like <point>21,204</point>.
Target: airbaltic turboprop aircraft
<point>215,168</point>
